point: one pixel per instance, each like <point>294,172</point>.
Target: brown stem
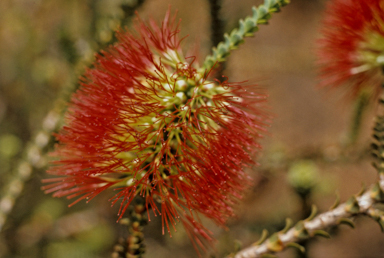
<point>362,204</point>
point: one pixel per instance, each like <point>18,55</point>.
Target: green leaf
<point>297,246</point>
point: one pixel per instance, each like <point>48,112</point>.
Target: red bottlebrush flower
<point>352,47</point>
<point>147,121</point>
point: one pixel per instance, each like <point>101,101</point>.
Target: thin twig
<point>246,28</point>
<point>34,160</point>
<point>362,204</point>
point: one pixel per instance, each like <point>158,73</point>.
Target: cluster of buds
<point>149,121</point>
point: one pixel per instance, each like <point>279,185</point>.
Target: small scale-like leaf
<point>336,203</point>
<point>381,223</point>
<point>313,213</point>
<point>274,243</point>
<point>363,189</point>
<point>352,206</point>
<point>346,221</point>
<point>263,237</point>
<point>321,233</point>
<point>297,246</point>
<point>288,225</point>
<point>376,193</point>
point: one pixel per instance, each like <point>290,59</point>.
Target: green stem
<point>246,28</point>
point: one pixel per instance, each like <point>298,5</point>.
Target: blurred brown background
<point>45,45</point>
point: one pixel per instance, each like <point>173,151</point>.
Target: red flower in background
<point>352,47</point>
<point>147,121</point>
